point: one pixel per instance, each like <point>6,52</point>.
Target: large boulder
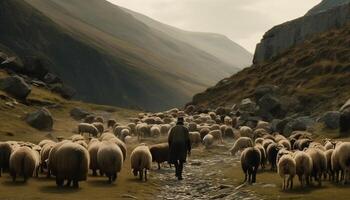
<point>15,86</point>
<point>78,113</point>
<point>247,105</point>
<point>41,119</point>
<point>344,121</point>
<point>265,90</point>
<point>330,119</point>
<point>64,90</point>
<point>298,124</point>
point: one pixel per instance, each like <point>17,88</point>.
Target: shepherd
<point>179,146</point>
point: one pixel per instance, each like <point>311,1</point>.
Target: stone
<point>330,119</point>
<point>344,121</point>
<point>51,78</point>
<point>78,113</point>
<point>247,105</point>
<point>65,91</point>
<point>263,90</point>
<point>15,86</point>
<point>298,124</point>
<point>41,119</point>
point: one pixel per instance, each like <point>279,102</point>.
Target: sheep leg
<point>319,178</point>
<point>114,177</point>
<point>245,177</point>
<point>300,177</point>
<point>109,179</point>
<point>94,173</point>
<point>75,184</point>
<point>141,174</point>
<point>145,174</point>
<point>68,183</point>
<point>158,166</point>
<point>284,183</point>
<point>291,182</point>
<point>254,175</point>
<point>59,182</point>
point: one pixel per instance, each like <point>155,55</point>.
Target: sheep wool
<point>110,160</point>
<point>141,161</point>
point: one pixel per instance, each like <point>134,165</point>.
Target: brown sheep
<point>160,153</point>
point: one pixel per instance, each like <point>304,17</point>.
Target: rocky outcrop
<point>282,37</point>
<point>326,5</point>
<point>15,86</point>
<point>41,119</point>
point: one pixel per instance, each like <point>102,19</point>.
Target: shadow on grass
<point>18,183</point>
<point>101,183</point>
<point>53,189</point>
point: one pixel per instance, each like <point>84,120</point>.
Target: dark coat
<point>179,144</point>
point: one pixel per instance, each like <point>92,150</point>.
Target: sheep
<point>107,136</point>
<point>51,161</point>
<point>217,135</point>
<point>286,144</point>
<point>121,145</point>
<point>93,149</point>
<point>72,164</point>
<point>118,130</point>
<point>192,127</point>
<point>214,127</point>
<point>317,145</point>
<point>262,155</point>
<point>240,144</point>
<point>110,160</point>
<point>208,140</point>
<point>300,135</point>
<point>246,131</point>
<point>268,136</point>
<point>44,142</point>
<point>250,161</point>
<point>155,131</point>
<point>303,167</point>
<point>272,151</point>
<point>203,132</point>
<point>23,163</point>
<point>164,129</point>
<point>195,138</point>
<point>279,137</point>
<point>344,160</point>
<point>266,143</point>
<point>44,155</point>
<point>229,133</point>
<point>329,170</point>
<point>99,126</point>
<point>336,168</point>
<point>319,163</point>
<point>263,125</point>
<point>287,167</point>
<point>132,127</point>
<point>227,121</point>
<point>329,145</point>
<point>5,153</point>
<point>259,141</point>
<point>124,133</point>
<point>160,153</point>
<point>260,132</point>
<point>99,119</point>
<point>89,119</point>
<point>111,123</point>
<point>301,144</point>
<point>82,143</point>
<point>87,128</point>
<point>142,130</point>
<point>141,161</point>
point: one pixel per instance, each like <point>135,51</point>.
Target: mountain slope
<point>107,55</point>
<point>215,44</point>
<point>326,5</point>
<point>313,76</point>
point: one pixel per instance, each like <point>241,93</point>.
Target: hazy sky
<point>243,21</point>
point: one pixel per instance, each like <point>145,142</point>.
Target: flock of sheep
<point>296,155</point>
<point>106,149</point>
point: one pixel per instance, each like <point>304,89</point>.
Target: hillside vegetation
<point>313,77</point>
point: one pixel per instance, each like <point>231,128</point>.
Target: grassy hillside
<point>215,44</point>
<point>107,55</point>
<point>313,77</point>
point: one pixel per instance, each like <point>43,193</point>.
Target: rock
<point>15,86</point>
<point>282,37</point>
<point>64,90</point>
<point>35,67</point>
<point>222,111</point>
<point>330,119</point>
<point>299,124</point>
<point>51,78</point>
<point>274,124</point>
<point>344,121</point>
<point>10,63</point>
<point>265,90</point>
<point>41,119</point>
<point>345,106</point>
<point>247,105</point>
<point>78,113</point>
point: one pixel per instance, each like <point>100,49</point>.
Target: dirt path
<point>203,178</point>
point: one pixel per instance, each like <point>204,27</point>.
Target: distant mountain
<point>108,55</point>
<point>326,5</point>
<point>215,44</point>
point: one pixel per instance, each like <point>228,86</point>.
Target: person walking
<point>179,146</point>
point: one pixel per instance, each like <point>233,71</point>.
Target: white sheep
<point>286,167</point>
<point>124,133</point>
<point>240,144</point>
<point>263,125</point>
<point>303,167</point>
<point>44,142</point>
<point>319,163</point>
<point>164,129</point>
<point>336,168</point>
<point>23,163</point>
<point>99,126</point>
<point>208,140</point>
<point>195,138</point>
<point>217,135</point>
<point>87,128</point>
<point>121,145</point>
<point>110,160</point>
<point>72,164</point>
<point>329,171</point>
<point>246,131</point>
<point>44,155</point>
<point>93,149</point>
<point>155,131</point>
<point>107,136</point>
<point>344,159</point>
<point>285,143</point>
<point>141,161</point>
